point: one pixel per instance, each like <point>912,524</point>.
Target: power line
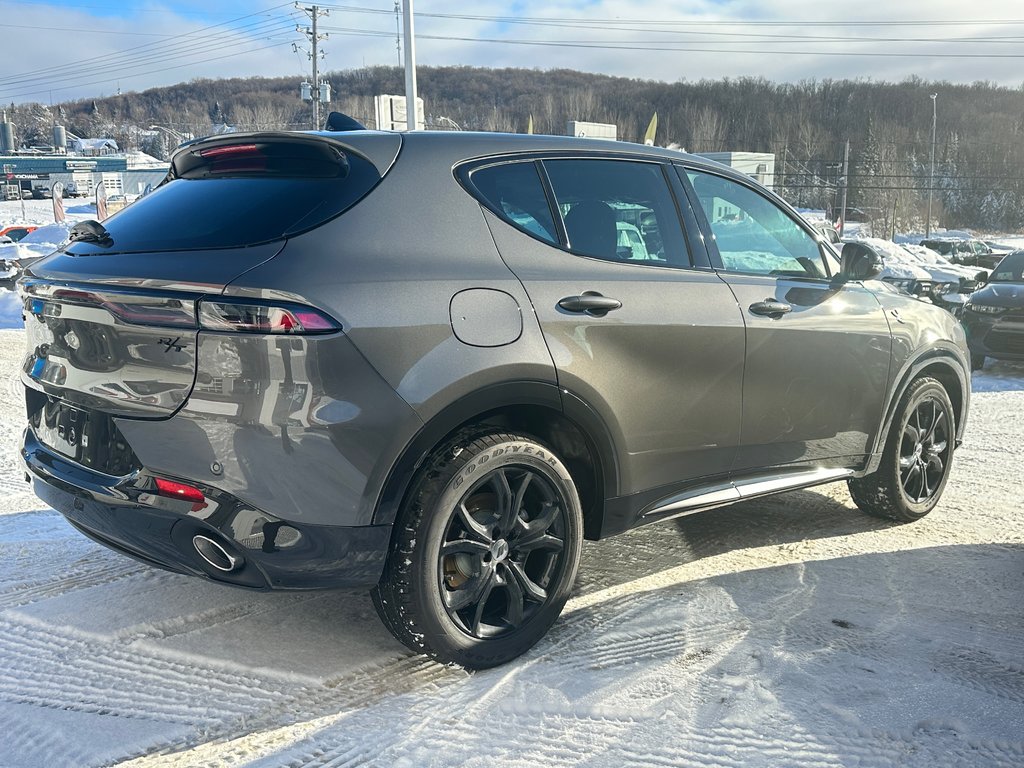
<point>617,22</point>
<point>145,48</point>
<point>122,62</point>
<point>668,46</point>
<point>155,71</point>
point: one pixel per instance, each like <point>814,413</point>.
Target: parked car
<point>904,271</point>
<point>16,232</point>
<point>994,315</point>
<point>999,248</point>
<point>42,193</point>
<point>955,282</point>
<point>960,251</point>
<point>420,363</point>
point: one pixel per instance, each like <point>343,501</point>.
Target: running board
<point>706,497</point>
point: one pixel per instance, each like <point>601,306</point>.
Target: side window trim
<point>693,227</point>
<point>710,243</point>
<point>713,251</point>
<point>556,214</point>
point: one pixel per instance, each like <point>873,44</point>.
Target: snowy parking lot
<point>793,631</point>
<point>790,631</point>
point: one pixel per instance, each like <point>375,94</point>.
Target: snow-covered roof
<point>94,145</point>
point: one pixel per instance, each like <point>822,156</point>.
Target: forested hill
<point>979,152</point>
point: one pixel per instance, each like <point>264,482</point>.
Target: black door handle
<point>591,302</point>
<point>770,308</point>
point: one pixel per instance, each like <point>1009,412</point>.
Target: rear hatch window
<point>233,193</point>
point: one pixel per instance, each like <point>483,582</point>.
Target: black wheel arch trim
<point>941,353</point>
<point>477,405</point>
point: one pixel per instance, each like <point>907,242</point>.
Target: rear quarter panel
<point>388,270</point>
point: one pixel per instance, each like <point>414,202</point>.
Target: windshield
<point>1009,269</point>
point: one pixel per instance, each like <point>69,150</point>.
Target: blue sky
<point>56,50</point>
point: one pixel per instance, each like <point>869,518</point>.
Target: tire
<point>917,457</point>
<point>485,551</point>
<point>977,362</point>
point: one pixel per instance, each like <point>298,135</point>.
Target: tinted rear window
<point>514,191</point>
<point>233,208</point>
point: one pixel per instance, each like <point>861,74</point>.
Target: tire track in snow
<point>50,667</point>
<point>790,744</point>
<point>982,671</point>
<point>41,556</point>
<point>489,737</point>
<point>352,692</point>
<point>24,736</point>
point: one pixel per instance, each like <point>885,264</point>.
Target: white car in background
<point>937,263</point>
<point>900,268</point>
<point>969,278</point>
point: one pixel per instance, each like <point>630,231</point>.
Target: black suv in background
<point>994,315</point>
<point>430,364</point>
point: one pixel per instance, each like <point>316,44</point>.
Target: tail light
<point>238,317</point>
<point>172,489</point>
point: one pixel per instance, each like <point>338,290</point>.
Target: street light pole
<point>931,174</point>
<point>410,67</point>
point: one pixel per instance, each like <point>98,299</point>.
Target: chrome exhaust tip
<point>214,554</point>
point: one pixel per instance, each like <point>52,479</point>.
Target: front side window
<point>752,233</point>
<point>618,210</point>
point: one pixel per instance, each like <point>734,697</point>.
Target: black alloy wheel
<point>925,450</point>
<point>485,550</point>
<point>916,461</point>
<point>502,548</point>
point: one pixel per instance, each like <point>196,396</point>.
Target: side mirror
<point>830,235</point>
<point>859,262</point>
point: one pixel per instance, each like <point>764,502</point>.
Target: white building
<point>758,165</point>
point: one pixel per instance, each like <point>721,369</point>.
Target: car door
<point>818,350</point>
<point>648,337</point>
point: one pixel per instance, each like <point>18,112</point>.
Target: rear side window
<point>232,199</point>
<point>514,191</point>
<point>618,210</point>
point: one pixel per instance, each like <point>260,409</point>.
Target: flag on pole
<point>529,125</point>
<point>652,128</point>
<point>58,202</point>
<point>101,202</point>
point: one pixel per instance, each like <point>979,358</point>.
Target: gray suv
<point>427,364</point>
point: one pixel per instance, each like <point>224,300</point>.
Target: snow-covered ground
<point>788,632</point>
<point>794,631</point>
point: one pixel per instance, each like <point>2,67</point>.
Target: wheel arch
<point>942,362</point>
<point>540,409</point>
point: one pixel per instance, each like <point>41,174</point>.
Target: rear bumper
<point>265,552</point>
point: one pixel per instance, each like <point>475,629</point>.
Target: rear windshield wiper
<point>90,231</point>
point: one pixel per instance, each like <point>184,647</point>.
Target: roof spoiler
<point>338,121</point>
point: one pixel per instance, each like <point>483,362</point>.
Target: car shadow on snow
<point>773,521</point>
<point>907,657</point>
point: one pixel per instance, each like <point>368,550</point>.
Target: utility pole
<point>398,32</point>
<point>846,184</point>
<point>314,91</point>
<point>931,173</point>
<point>410,68</point>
